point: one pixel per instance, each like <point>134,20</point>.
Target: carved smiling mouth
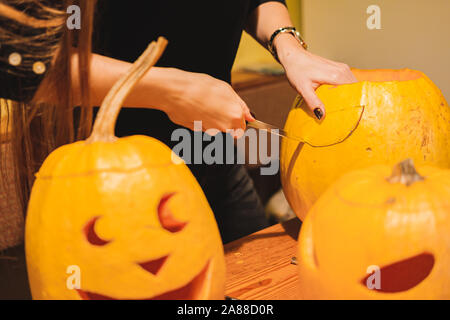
<point>194,290</point>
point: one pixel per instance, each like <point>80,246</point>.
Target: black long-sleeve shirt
<point>203,36</point>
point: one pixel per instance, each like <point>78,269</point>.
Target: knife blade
<point>332,116</point>
<point>260,125</point>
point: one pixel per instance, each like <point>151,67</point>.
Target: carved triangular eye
<point>405,274</point>
<point>91,235</point>
<point>166,217</point>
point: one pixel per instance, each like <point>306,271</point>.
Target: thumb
<point>245,109</point>
<point>249,117</point>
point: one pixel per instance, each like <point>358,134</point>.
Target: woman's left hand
<point>306,71</point>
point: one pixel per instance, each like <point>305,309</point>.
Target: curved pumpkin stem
<point>106,118</point>
<point>405,172</point>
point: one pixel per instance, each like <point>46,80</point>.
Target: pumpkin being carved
<point>132,222</point>
<point>377,235</point>
<point>404,115</point>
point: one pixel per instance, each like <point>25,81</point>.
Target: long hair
<point>30,131</point>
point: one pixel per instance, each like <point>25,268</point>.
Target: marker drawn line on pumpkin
<point>298,105</point>
<point>341,139</point>
<point>385,204</point>
<point>389,202</point>
<point>398,199</point>
<point>94,172</point>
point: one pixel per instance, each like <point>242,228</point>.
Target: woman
<point>203,40</point>
<point>45,68</point>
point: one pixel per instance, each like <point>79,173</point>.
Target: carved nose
<point>153,266</point>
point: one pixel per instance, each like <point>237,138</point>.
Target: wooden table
<point>259,266</point>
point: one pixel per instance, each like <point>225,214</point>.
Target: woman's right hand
<point>193,97</point>
<point>184,96</point>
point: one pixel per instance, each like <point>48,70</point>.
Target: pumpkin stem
<point>105,122</point>
<point>405,172</point>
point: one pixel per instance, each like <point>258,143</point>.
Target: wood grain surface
<point>259,266</point>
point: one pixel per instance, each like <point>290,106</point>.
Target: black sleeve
<point>255,3</point>
<point>33,45</point>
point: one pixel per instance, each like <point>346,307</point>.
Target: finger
<point>241,125</point>
<point>249,117</point>
<point>353,77</point>
<point>212,131</point>
<point>247,113</point>
<point>237,133</point>
<point>313,102</point>
<point>250,120</point>
<point>235,118</point>
<point>346,74</point>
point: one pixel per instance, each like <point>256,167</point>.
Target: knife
<point>333,138</point>
<point>260,125</point>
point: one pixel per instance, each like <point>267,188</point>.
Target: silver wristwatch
<point>290,30</point>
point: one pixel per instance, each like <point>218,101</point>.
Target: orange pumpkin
<point>404,116</point>
<point>122,216</point>
<point>376,235</point>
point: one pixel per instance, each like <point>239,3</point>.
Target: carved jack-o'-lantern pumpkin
<point>404,116</point>
<point>376,235</point>
<point>122,216</point>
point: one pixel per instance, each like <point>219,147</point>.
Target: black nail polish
<point>318,113</point>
